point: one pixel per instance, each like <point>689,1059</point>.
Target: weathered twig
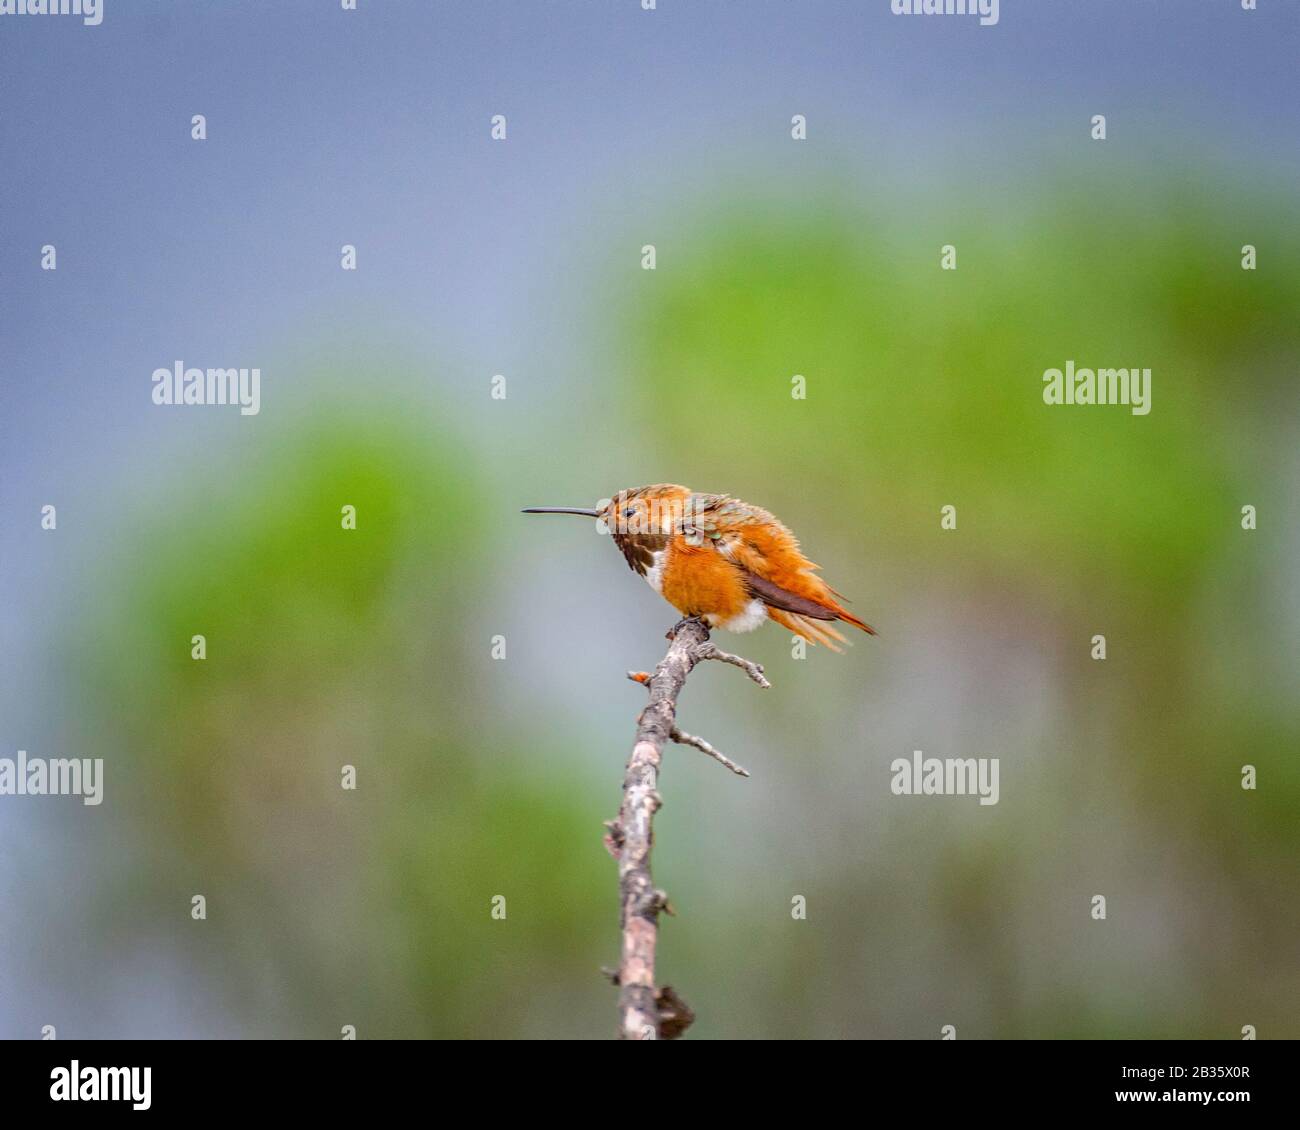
<point>683,738</point>
<point>644,1012</point>
<point>753,670</point>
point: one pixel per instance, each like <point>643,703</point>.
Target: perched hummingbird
<point>713,556</point>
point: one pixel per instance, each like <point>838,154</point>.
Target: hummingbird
<point>732,564</point>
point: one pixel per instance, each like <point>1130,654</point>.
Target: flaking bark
<point>644,1012</point>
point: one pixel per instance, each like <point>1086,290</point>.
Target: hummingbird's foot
<point>753,670</point>
<point>671,634</point>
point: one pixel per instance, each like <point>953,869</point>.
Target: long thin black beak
<point>561,510</point>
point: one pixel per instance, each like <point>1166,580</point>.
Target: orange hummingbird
<point>710,555</point>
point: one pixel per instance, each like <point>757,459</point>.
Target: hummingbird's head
<point>642,510</point>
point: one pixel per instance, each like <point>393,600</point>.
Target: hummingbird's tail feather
<point>777,572</point>
<point>812,607</point>
<point>814,631</point>
<point>849,618</point>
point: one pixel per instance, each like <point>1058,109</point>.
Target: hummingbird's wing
<point>799,614</point>
<point>640,550</point>
<point>775,569</point>
<point>774,596</point>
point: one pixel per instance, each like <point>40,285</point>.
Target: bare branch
<point>753,670</point>
<point>683,738</point>
<point>647,1013</point>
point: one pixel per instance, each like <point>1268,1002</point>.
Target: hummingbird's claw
<point>671,634</point>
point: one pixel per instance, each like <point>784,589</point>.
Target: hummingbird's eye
<point>630,512</point>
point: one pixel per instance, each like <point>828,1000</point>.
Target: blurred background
<point>480,777</point>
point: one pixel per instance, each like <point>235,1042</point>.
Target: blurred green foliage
<point>329,647</point>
